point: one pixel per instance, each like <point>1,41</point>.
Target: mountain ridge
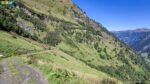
<point>135,30</point>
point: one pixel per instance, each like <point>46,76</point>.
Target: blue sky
<point>118,14</point>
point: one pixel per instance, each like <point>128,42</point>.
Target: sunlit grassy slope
<point>12,45</point>
<point>68,46</point>
<point>52,63</point>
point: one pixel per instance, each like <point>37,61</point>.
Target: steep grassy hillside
<point>14,45</point>
<point>57,66</point>
<point>68,46</point>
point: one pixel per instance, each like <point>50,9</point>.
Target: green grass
<point>10,45</point>
<point>112,66</point>
<point>1,68</point>
<point>76,53</point>
<point>86,52</point>
<point>50,8</point>
<point>55,62</point>
<point>56,75</point>
<point>59,76</point>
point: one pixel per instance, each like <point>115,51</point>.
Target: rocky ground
<point>16,73</point>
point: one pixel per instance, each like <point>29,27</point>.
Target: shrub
<point>36,21</point>
<point>9,23</point>
<point>52,38</point>
<point>108,81</point>
<point>103,56</point>
<point>79,37</point>
<point>1,69</point>
<point>34,37</point>
<point>70,42</point>
<point>32,60</point>
<point>99,33</point>
<point>113,72</point>
<point>14,36</point>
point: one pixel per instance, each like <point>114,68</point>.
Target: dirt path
<point>25,74</point>
<point>34,53</point>
<point>5,77</point>
<point>33,74</point>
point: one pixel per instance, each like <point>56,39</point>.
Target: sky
<point>118,14</point>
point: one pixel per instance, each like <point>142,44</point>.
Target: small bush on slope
<point>1,69</point>
<point>52,38</point>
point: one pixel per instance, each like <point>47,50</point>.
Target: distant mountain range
<point>138,39</point>
<point>135,30</point>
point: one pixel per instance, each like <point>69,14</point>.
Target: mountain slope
<point>138,39</point>
<point>80,48</point>
<point>56,66</point>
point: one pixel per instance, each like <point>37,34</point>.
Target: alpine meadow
<point>55,42</point>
